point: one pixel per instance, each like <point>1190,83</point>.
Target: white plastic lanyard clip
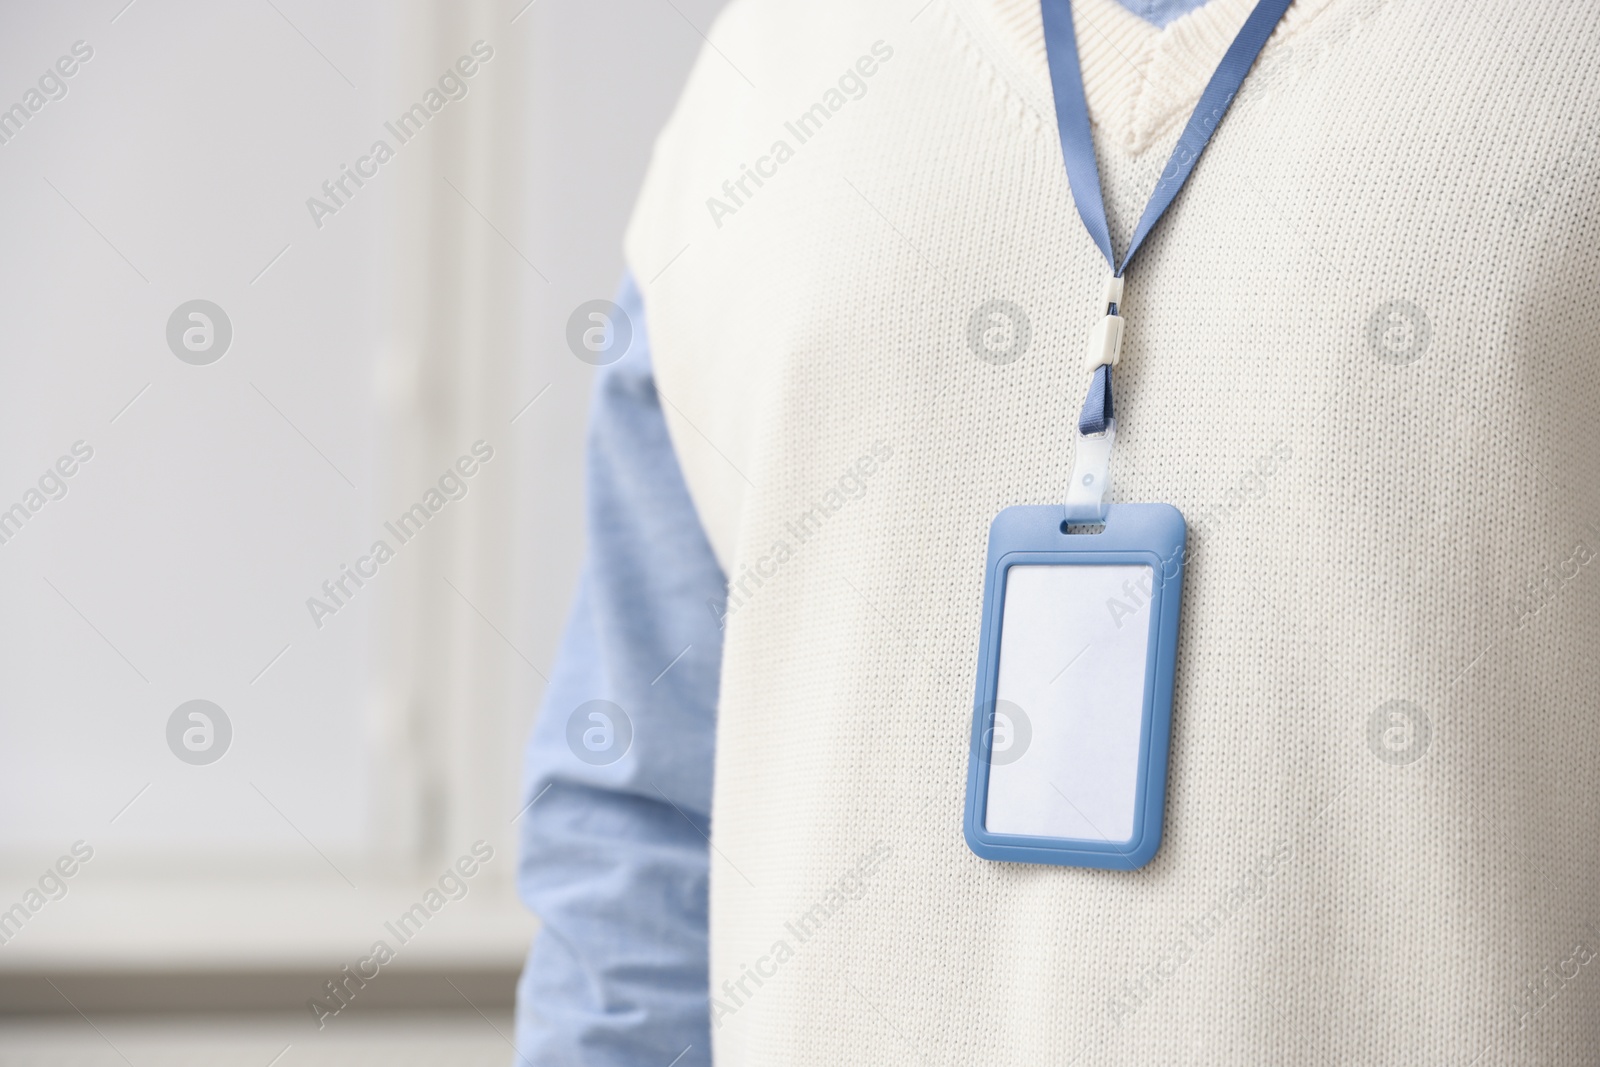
<point>1105,340</point>
<point>1089,492</point>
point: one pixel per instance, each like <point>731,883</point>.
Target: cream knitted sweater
<point>1362,356</point>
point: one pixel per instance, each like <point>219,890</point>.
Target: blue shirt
<point>614,857</point>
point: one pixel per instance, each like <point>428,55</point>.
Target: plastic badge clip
<point>1105,339</point>
<point>1089,492</point>
<point>1105,344</point>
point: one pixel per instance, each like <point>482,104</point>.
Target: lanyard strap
<point>1083,170</point>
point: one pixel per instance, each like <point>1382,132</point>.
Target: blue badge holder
<point>1133,536</point>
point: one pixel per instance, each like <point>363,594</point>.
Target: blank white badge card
<point>1070,702</point>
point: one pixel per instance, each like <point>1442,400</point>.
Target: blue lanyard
<point>1083,171</point>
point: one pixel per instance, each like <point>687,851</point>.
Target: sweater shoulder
<point>762,62</point>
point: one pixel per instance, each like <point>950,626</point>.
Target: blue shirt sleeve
<point>614,846</point>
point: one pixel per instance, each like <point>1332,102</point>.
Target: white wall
<point>366,357</point>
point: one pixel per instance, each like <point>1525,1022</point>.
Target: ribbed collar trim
<point>1141,80</point>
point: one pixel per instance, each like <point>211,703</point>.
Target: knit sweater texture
<point>1362,356</point>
